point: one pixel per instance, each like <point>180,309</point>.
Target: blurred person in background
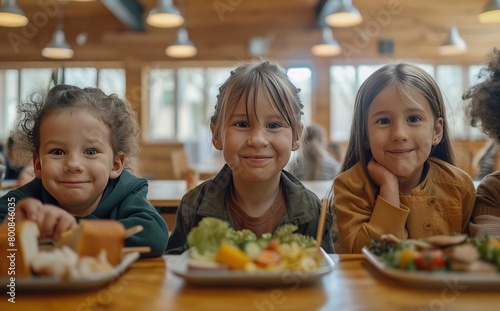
<point>313,161</point>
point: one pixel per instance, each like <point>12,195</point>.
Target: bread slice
<point>89,237</point>
<point>16,258</point>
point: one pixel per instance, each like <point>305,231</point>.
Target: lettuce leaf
<point>211,232</point>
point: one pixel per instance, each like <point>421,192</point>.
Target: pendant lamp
<point>347,15</point>
<point>455,44</point>
<point>11,15</point>
<point>491,13</point>
<point>58,48</point>
<point>182,47</point>
<point>328,46</point>
<point>165,15</point>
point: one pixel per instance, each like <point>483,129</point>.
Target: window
<point>19,84</point>
<point>9,97</point>
<point>182,100</point>
<point>301,78</point>
<point>452,79</point>
<point>342,94</point>
<point>191,97</point>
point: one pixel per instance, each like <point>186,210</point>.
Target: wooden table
<point>8,184</point>
<point>168,193</point>
<point>353,285</point>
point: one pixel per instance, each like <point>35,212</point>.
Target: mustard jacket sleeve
<point>362,215</point>
<point>488,196</point>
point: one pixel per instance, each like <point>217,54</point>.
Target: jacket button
<point>427,226</point>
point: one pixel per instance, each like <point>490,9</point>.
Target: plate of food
<point>454,261</point>
<point>220,256</point>
<point>77,262</point>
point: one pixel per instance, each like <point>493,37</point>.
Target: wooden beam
<point>128,11</point>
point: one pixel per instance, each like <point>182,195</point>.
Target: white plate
<point>457,280</point>
<point>178,266</point>
<point>52,284</point>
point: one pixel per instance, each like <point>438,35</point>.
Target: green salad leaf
<point>211,232</point>
<point>286,235</point>
<point>205,239</point>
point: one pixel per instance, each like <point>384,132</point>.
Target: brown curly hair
<point>114,112</point>
<point>483,110</point>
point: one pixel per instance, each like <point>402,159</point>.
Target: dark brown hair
<point>115,113</point>
<point>483,110</point>
<point>408,78</point>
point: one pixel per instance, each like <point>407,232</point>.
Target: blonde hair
<point>246,81</point>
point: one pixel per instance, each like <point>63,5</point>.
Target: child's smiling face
<point>256,146</point>
<point>76,160</point>
<point>401,132</point>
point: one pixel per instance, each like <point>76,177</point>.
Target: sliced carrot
<point>273,244</point>
<point>267,258</point>
<point>232,256</point>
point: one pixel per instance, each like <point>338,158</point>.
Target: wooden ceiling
<point>221,30</point>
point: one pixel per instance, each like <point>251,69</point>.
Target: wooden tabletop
<point>8,184</point>
<point>168,193</point>
<point>354,284</point>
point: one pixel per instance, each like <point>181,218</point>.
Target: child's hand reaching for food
<point>52,221</point>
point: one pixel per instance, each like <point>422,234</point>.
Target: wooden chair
<point>179,163</point>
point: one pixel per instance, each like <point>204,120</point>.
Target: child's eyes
<point>411,119</point>
<point>414,119</point>
<point>91,152</point>
<point>383,121</point>
<point>241,124</point>
<point>274,125</point>
<point>56,152</point>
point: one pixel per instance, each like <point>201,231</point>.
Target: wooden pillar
<point>321,93</point>
<point>134,88</point>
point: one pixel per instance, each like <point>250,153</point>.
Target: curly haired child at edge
<point>81,140</point>
<point>483,111</point>
<point>398,175</point>
<point>256,125</point>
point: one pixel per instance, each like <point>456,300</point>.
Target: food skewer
<point>321,227</point>
<point>133,230</point>
<point>140,249</point>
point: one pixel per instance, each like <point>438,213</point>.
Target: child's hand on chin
<point>380,175</point>
<point>52,220</point>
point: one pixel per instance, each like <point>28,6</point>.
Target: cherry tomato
<point>430,260</point>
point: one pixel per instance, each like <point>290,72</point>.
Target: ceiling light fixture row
<point>166,15</point>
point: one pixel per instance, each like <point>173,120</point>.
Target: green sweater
<point>124,199</point>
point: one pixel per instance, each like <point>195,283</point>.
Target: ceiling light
<point>165,15</point>
<point>455,44</point>
<point>329,46</point>
<point>58,48</point>
<point>182,47</point>
<point>491,13</point>
<point>346,15</point>
<point>11,15</point>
